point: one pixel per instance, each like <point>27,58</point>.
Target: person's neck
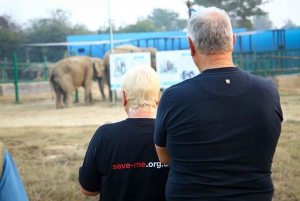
<point>215,61</point>
<point>141,114</point>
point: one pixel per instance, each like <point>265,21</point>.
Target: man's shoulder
<point>184,85</point>
<point>114,128</point>
<point>261,82</point>
<point>110,126</point>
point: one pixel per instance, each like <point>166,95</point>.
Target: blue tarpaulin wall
<point>269,40</point>
<point>176,40</point>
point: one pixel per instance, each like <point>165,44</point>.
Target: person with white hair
<point>121,162</point>
<point>218,131</point>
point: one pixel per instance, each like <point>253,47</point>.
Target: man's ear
<point>124,102</point>
<point>233,39</point>
<point>159,96</point>
<point>192,47</point>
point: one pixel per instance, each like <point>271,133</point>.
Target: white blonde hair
<point>210,31</point>
<point>141,87</point>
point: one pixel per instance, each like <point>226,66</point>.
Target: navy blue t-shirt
<point>121,163</point>
<point>221,129</point>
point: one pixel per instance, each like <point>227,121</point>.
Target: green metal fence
<point>269,63</point>
<point>27,72</point>
<point>15,72</point>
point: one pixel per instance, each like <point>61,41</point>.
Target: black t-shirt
<point>221,129</point>
<point>121,163</point>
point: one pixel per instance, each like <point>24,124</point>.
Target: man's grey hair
<point>210,31</point>
<point>141,87</point>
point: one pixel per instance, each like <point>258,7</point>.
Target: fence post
<point>76,96</point>
<point>255,62</point>
<point>266,68</point>
<point>4,73</point>
<point>45,69</point>
<point>16,78</point>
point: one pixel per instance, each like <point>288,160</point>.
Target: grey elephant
<point>126,48</point>
<point>70,73</point>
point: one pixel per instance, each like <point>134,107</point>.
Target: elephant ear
<point>98,68</point>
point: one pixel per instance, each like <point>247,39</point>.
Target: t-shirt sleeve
<point>160,133</point>
<point>89,175</point>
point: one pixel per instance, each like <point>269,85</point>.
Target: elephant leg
<point>88,95</point>
<point>58,94</point>
<point>67,90</point>
<point>101,87</point>
<point>107,77</point>
<point>91,98</point>
<point>64,95</point>
<point>68,99</point>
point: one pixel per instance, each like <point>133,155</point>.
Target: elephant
<point>126,48</point>
<point>70,73</point>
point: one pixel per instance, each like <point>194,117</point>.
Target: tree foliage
<point>158,20</point>
<point>240,11</point>
<point>56,28</point>
<point>262,22</point>
<point>289,24</point>
<point>167,20</point>
<point>10,36</point>
<point>142,25</point>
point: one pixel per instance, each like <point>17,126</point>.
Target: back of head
<point>210,31</point>
<point>141,86</point>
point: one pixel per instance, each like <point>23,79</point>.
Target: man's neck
<point>141,114</point>
<point>215,61</point>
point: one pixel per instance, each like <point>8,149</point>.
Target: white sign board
<point>121,63</point>
<point>174,67</point>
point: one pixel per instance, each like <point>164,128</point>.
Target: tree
<point>240,11</point>
<point>167,20</point>
<point>289,24</point>
<point>158,20</point>
<point>142,25</point>
<point>262,22</point>
<point>11,37</point>
<point>56,28</point>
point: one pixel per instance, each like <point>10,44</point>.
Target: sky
<point>94,13</point>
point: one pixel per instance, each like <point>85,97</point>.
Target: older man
<point>121,162</point>
<point>218,131</point>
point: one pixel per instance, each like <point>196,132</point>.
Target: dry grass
<point>286,163</point>
<point>48,157</point>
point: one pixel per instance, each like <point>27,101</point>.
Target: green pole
<point>266,68</point>
<point>16,78</point>
<point>4,70</point>
<point>45,69</point>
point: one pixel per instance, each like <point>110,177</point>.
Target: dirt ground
<point>39,110</point>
